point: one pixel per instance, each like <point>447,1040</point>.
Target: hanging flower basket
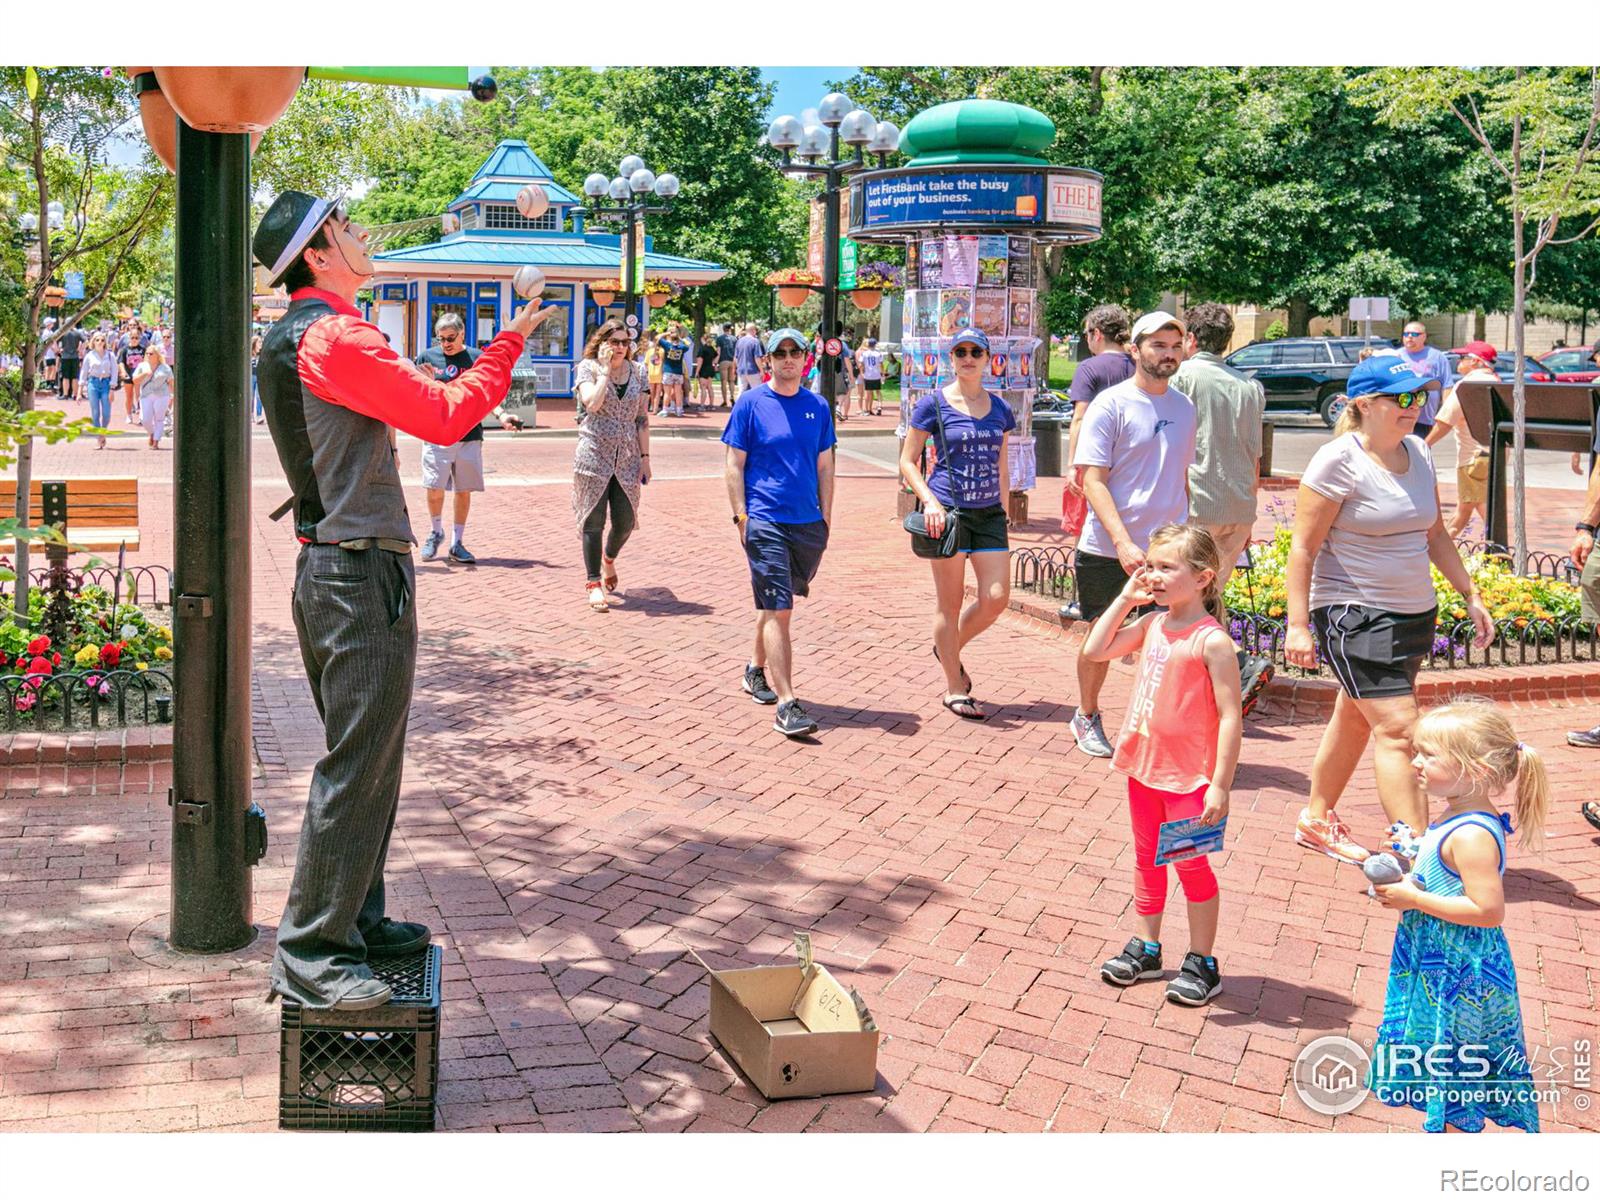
<point>793,297</point>
<point>880,276</point>
<point>603,299</point>
<point>867,298</point>
<point>662,291</point>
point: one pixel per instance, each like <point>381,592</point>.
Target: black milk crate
<point>377,1069</point>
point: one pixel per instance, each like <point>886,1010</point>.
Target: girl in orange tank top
<point>1179,743</point>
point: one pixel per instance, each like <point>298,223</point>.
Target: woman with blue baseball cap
<point>969,426</point>
<point>1367,527</point>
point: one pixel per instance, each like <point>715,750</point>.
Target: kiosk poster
<point>922,363</point>
<point>989,311</point>
<point>932,272</point>
<point>1020,322</point>
<point>955,310</point>
<point>960,261</point>
<point>1019,263</point>
<point>923,306</point>
<point>913,266</point>
<point>992,262</point>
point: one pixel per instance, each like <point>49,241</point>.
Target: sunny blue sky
<point>800,88</point>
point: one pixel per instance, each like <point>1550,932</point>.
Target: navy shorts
<point>783,560</point>
<point>1373,653</point>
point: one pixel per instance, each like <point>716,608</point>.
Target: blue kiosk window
<point>448,297</point>
<point>553,339</point>
<point>486,314</point>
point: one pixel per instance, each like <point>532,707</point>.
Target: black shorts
<point>69,367</point>
<point>1371,652</point>
<point>783,560</point>
<point>872,385</point>
<point>1100,582</point>
<point>982,530</point>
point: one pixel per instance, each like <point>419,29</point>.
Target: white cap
<point>1152,321</point>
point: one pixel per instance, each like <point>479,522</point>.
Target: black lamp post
<point>631,194</point>
<point>841,121</point>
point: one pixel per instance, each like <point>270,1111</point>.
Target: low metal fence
<point>90,699</point>
<point>1050,572</point>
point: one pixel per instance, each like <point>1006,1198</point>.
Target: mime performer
<point>331,388</point>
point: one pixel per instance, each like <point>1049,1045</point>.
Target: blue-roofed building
<point>469,270</point>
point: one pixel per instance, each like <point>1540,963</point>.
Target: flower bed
<point>107,649</point>
<point>1528,610</point>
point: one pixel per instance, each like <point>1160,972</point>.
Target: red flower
<point>39,645</point>
<point>110,653</point>
<point>55,660</point>
<point>3,660</point>
<point>39,666</point>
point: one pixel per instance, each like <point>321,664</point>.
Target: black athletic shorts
<point>1372,652</point>
<point>872,385</point>
<point>982,529</point>
<point>69,367</point>
<point>1100,582</point>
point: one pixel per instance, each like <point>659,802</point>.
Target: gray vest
<point>345,481</point>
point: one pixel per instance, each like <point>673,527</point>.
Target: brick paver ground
<point>585,794</point>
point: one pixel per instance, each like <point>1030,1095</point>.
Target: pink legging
<point>1148,808</point>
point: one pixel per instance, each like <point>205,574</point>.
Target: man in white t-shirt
<point>1477,362</point>
<point>1137,446</point>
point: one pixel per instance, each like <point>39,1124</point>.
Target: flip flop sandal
<point>1591,812</point>
<point>610,579</point>
<point>966,680</point>
<point>965,707</point>
<point>599,605</point>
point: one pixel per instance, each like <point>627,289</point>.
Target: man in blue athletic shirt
<point>780,483</point>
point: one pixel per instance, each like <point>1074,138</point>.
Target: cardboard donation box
<point>794,1030</point>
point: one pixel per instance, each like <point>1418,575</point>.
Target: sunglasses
<point>1406,400</point>
<point>449,337</point>
<point>1413,333</point>
<point>620,341</point>
<point>968,352</point>
<point>786,354</point>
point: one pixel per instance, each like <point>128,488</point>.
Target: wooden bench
<point>101,514</point>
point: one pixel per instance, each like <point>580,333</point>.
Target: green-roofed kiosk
<point>972,208</point>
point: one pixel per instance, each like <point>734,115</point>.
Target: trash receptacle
<point>1047,432</point>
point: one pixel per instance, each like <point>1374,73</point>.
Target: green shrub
<point>1278,329</point>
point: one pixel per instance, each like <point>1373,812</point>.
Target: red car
<point>1505,364</point>
<point>1574,364</point>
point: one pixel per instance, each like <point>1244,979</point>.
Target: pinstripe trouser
<point>357,624</point>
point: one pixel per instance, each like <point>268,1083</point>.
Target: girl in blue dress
<point>1451,1042</point>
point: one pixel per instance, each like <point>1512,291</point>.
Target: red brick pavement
<point>586,793</point>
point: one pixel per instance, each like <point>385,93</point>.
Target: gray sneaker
<point>367,993</point>
<point>460,554</point>
<point>794,721</point>
<point>755,683</point>
<point>1091,735</point>
<point>430,548</point>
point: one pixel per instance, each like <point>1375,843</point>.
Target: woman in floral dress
<point>613,457</point>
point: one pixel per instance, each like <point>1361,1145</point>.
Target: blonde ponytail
<point>1349,418</point>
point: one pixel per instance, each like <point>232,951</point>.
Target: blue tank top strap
<point>1433,872</point>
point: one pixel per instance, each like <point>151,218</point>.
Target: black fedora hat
<point>284,232</point>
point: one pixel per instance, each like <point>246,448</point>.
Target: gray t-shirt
<point>1228,407</point>
<point>1376,552</point>
<point>1147,442</point>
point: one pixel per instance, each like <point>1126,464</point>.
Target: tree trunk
<point>1519,382</point>
<point>1299,316</point>
<point>1480,326</point>
<point>699,314</point>
<point>24,477</point>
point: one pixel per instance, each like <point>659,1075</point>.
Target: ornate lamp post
<point>818,148</point>
<point>634,193</point>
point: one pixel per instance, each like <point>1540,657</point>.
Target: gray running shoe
<point>461,554</point>
<point>1091,735</point>
<point>430,548</point>
<point>793,721</point>
<point>755,683</point>
<point>368,993</point>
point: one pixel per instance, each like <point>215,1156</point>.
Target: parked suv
<point>1573,364</point>
<point>1303,373</point>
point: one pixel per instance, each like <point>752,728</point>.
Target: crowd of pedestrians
<point>1164,455</point>
<point>90,364</point>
